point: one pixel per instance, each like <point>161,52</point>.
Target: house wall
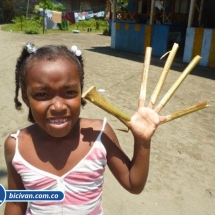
<point>135,37</point>
<point>200,41</point>
<point>200,37</point>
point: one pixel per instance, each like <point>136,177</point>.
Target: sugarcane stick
<point>163,76</point>
<point>177,83</point>
<point>186,111</point>
<point>143,87</point>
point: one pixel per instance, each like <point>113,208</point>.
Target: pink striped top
<point>82,185</point>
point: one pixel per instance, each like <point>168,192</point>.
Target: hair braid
<point>80,59</point>
<point>18,76</point>
<point>18,104</point>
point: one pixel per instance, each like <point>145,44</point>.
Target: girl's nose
<point>58,104</point>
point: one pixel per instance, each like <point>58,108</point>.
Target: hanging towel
<point>70,16</point>
<point>57,16</point>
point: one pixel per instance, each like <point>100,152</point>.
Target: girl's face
<point>53,92</point>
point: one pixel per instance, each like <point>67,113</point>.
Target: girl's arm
<point>132,174</point>
<point>14,180</point>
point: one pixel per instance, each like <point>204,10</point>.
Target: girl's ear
<point>25,98</point>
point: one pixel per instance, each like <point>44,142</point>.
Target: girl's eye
<point>70,93</point>
<point>41,95</point>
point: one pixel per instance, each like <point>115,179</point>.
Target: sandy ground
<point>181,180</point>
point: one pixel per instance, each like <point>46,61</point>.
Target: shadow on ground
<point>177,65</point>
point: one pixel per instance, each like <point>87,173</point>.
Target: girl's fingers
<point>162,119</point>
<point>150,105</point>
<point>158,108</point>
<point>145,72</point>
<point>141,103</point>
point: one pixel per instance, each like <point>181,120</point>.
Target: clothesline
<point>52,18</point>
<point>72,17</point>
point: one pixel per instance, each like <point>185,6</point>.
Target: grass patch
<point>34,26</point>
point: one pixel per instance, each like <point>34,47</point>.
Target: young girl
<point>60,150</point>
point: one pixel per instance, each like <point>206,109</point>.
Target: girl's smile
<point>53,94</point>
<point>58,121</point>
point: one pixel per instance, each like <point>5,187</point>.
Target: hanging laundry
<point>81,16</point>
<point>89,15</point>
<point>48,14</point>
<point>99,14</point>
<point>49,24</point>
<point>57,16</point>
<point>76,17</point>
<point>64,24</point>
<point>70,16</point>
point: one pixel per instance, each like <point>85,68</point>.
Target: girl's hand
<point>144,123</point>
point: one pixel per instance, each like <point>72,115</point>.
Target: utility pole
<point>27,9</point>
<point>44,8</point>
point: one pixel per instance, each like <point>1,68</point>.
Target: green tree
<point>47,4</point>
<point>123,5</point>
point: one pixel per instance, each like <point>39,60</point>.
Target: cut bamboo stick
<point>97,99</point>
<point>163,75</point>
<point>177,83</point>
<point>186,111</point>
<point>143,88</point>
<point>92,95</point>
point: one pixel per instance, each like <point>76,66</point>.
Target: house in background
<point>159,24</point>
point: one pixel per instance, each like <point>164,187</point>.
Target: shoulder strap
<point>103,128</point>
<point>15,136</point>
<point>104,123</point>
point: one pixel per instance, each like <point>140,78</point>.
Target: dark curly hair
<point>50,53</point>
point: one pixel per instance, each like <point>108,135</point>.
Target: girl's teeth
<point>57,121</point>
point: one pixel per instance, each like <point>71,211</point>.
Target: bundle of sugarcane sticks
<point>96,98</point>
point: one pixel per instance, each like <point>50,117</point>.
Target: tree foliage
<point>47,4</point>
